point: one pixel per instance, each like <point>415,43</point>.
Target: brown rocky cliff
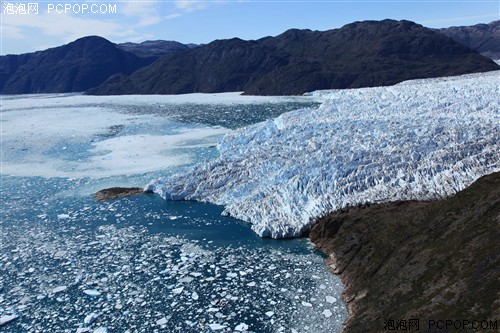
<point>435,260</point>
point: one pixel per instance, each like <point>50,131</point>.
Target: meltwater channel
<point>141,264</point>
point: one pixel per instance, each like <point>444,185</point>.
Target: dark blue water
<point>141,264</point>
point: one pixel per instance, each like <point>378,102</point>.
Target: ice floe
<point>241,327</point>
<point>91,292</point>
<point>7,318</point>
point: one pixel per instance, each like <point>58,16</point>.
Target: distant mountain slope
<point>77,66</point>
<point>430,261</point>
<point>361,54</point>
<point>154,48</point>
<point>484,38</point>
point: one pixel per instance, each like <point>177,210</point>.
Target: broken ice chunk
<point>82,330</point>
<point>241,327</point>
<point>331,299</point>
<point>91,292</point>
<point>186,279</point>
<point>59,289</point>
<point>216,327</point>
<point>101,330</point>
<point>90,318</point>
<point>161,321</point>
<point>177,291</point>
<point>5,319</point>
<point>327,313</point>
<point>269,313</point>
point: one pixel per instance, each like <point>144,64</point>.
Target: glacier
<point>418,140</point>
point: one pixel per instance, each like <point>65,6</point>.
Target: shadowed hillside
<point>361,54</point>
<point>77,66</point>
<point>484,38</point>
<point>426,260</point>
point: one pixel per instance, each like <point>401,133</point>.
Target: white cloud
<point>148,20</point>
<point>190,5</point>
<point>28,33</point>
<point>461,20</point>
<point>172,16</point>
<point>145,13</point>
<point>12,31</point>
<point>133,21</point>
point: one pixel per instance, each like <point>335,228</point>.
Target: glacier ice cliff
<point>418,140</point>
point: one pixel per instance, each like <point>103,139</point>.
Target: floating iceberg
<point>418,140</point>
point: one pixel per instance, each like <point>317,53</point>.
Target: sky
<point>28,28</point>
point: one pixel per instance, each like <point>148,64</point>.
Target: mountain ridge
<point>360,54</point>
<point>154,48</point>
<point>484,37</point>
<point>73,67</point>
<point>293,62</point>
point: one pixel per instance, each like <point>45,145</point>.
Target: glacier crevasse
<point>418,140</point>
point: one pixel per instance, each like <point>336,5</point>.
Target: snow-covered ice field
<point>44,135</point>
<point>421,139</point>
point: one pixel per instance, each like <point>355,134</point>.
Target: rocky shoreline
<point>431,261</point>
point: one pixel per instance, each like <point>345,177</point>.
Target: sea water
<point>141,264</point>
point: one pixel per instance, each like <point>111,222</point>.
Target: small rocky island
<point>434,260</point>
<point>117,193</point>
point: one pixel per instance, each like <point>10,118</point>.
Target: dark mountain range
<point>484,38</point>
<point>155,48</point>
<point>361,54</point>
<point>428,261</point>
<point>357,55</point>
<point>78,66</point>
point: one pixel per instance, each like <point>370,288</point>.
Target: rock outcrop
<point>436,260</point>
<point>117,193</point>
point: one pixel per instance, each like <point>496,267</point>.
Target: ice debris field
<point>69,264</point>
<point>125,279</point>
<point>421,139</point>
